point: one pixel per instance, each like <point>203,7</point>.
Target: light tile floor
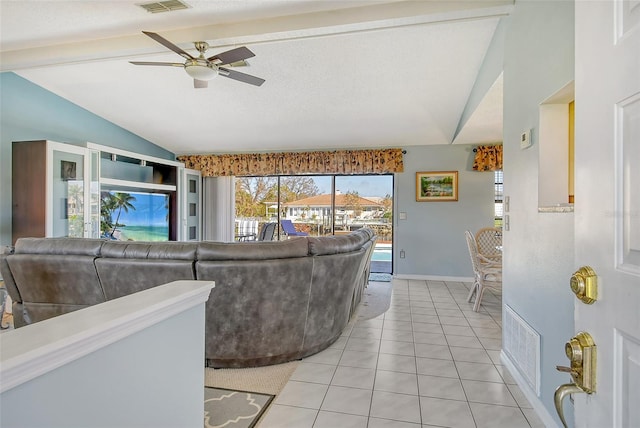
<point>429,361</point>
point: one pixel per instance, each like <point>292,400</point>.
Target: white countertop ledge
<point>35,349</point>
<point>561,208</point>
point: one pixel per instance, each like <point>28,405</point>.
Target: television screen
<point>134,216</point>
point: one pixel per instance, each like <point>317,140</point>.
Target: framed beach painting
<point>437,186</point>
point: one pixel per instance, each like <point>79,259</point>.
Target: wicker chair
<point>489,241</point>
<point>487,273</point>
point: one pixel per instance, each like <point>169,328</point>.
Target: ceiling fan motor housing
<point>201,69</point>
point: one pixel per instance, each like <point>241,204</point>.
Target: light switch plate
<point>403,216</point>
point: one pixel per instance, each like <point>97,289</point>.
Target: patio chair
<point>267,232</point>
<point>489,241</point>
<point>487,273</point>
<point>247,230</point>
<point>290,230</point>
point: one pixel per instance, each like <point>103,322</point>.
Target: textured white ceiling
<point>338,74</point>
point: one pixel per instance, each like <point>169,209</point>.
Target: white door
<point>191,205</point>
<point>607,206</point>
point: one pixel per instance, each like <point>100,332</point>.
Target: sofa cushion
<point>123,276</point>
<point>332,288</point>
<point>128,267</point>
<point>149,250</point>
<point>254,250</point>
<point>62,246</point>
<point>257,310</point>
<point>43,278</point>
<point>50,282</point>
<point>325,245</point>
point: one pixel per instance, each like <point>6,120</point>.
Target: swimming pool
<point>382,253</point>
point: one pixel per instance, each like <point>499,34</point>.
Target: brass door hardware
<point>584,283</point>
<point>581,351</point>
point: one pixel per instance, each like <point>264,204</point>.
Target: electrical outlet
<point>402,254</point>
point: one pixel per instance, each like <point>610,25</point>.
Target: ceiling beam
<point>317,24</point>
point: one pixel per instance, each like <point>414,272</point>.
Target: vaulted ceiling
<point>339,74</point>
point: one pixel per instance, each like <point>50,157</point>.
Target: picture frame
<point>437,186</point>
<point>67,170</point>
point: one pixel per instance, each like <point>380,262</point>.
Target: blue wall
<point>539,247</point>
<point>29,112</point>
<point>432,236</point>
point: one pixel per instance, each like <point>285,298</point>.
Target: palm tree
<point>107,206</point>
<point>121,201</point>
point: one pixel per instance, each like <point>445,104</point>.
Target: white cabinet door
<point>191,205</point>
<point>72,203</point>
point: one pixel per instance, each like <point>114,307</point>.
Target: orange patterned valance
<point>380,161</point>
<point>488,158</point>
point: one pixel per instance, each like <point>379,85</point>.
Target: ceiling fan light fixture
<point>201,72</point>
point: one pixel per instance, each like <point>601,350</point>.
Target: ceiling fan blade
<point>171,64</point>
<point>166,43</point>
<point>234,55</point>
<point>241,63</point>
<point>241,77</point>
<point>200,83</point>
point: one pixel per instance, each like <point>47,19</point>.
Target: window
<point>317,204</point>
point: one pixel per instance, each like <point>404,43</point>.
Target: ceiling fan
<point>204,69</point>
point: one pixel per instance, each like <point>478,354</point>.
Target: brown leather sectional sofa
<point>273,301</point>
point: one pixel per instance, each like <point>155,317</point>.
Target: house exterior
<point>348,208</point>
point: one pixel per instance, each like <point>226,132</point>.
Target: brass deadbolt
<point>584,284</point>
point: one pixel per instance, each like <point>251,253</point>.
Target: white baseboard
<point>540,409</point>
<point>435,278</point>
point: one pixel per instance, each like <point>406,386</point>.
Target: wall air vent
<point>164,6</point>
<point>522,344</point>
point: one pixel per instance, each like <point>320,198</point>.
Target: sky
<point>365,185</point>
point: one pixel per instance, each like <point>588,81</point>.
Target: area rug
<point>376,300</point>
<point>233,409</point>
<point>380,277</point>
<point>266,381</point>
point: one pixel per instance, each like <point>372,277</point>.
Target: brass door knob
<point>584,284</point>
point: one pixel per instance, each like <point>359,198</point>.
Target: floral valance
<point>293,163</point>
<point>488,158</point>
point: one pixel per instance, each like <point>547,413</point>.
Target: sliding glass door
<point>317,205</point>
<point>367,201</point>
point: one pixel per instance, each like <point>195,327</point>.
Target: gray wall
<point>538,248</point>
<point>153,378</point>
<point>432,236</point>
<point>29,112</point>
